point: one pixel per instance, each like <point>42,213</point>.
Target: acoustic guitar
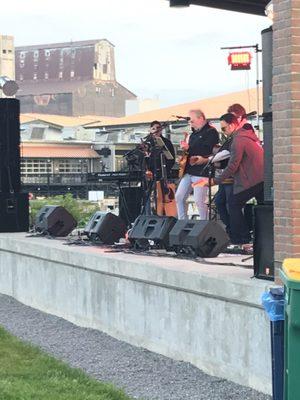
<point>182,161</point>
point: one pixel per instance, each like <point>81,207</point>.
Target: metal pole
<point>257,85</point>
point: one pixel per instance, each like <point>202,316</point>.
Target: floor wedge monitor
<point>151,228</point>
<point>198,238</point>
<point>107,228</point>
<point>54,221</point>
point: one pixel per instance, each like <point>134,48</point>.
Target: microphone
<point>251,114</point>
<point>180,117</point>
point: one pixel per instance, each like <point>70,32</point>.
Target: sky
<point>170,53</point>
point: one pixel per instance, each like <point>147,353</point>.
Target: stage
<point>207,312</point>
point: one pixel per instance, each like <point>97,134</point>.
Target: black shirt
<point>155,158</point>
<point>201,143</point>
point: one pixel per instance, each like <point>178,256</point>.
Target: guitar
<point>182,161</point>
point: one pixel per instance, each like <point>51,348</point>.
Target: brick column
<point>286,128</point>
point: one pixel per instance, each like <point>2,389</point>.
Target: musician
<point>154,159</point>
<point>246,167</point>
<point>165,190</point>
<point>201,143</point>
<point>239,111</point>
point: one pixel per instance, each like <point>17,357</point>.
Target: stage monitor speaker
<point>10,175</point>
<point>198,238</point>
<point>130,203</point>
<point>152,228</point>
<point>106,227</point>
<point>263,245</point>
<point>55,221</point>
<point>14,212</point>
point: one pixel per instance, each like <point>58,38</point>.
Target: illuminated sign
<point>239,60</point>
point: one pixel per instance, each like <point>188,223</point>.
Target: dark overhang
<point>246,6</point>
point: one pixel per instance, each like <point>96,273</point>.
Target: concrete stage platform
<point>201,312</point>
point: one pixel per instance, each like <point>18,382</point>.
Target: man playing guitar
<point>200,144</point>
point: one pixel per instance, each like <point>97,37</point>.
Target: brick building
<point>75,78</point>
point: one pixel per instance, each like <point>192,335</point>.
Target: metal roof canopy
<point>246,6</point>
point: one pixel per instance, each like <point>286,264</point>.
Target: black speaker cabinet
<point>130,202</point>
<point>55,221</point>
<point>263,245</point>
<point>14,212</point>
<point>267,68</point>
<point>106,227</point>
<point>152,227</point>
<point>200,238</point>
<point>10,175</point>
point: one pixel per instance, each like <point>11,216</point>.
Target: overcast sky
<point>160,51</point>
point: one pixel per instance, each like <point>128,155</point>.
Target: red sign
<point>240,60</point>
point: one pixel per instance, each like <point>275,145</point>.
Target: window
<point>34,76</point>
<point>71,166</point>
<point>4,51</point>
<point>104,68</point>
<point>36,166</point>
<point>37,133</point>
<point>10,51</point>
<point>21,77</point>
<point>98,89</point>
<point>72,74</point>
<point>36,55</point>
<point>60,75</point>
<point>112,92</point>
<point>46,75</point>
<point>22,54</point>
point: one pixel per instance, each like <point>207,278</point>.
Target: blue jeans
<point>222,203</point>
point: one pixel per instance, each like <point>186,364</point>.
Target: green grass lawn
<point>28,373</point>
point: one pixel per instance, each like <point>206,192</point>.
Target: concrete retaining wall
<point>209,315</point>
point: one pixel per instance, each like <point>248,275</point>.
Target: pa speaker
<point>198,238</point>
<point>14,212</point>
<point>54,220</point>
<point>108,228</point>
<point>152,227</point>
<point>130,202</point>
<point>263,245</point>
<point>10,175</point>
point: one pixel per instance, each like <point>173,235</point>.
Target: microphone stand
<point>209,167</point>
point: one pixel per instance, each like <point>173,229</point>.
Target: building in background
<point>7,57</point>
<point>74,78</point>
<point>136,106</point>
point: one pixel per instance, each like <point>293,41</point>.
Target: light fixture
<point>269,10</point>
<point>8,86</point>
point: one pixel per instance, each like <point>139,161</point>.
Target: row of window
<point>41,166</point>
<point>47,53</point>
<point>46,75</point>
<point>6,51</point>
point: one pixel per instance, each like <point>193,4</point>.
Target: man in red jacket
<point>246,167</point>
